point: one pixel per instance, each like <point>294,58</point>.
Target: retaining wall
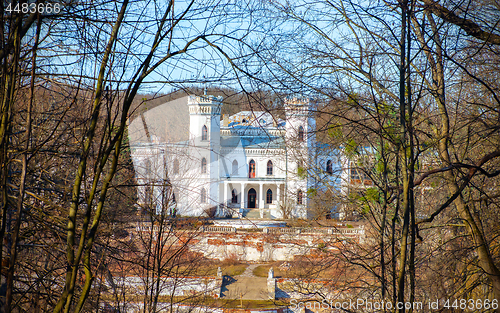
<point>262,247</point>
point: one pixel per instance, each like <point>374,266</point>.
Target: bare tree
<point>92,58</point>
<point>391,81</point>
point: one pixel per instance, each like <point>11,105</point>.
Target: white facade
<point>250,164</point>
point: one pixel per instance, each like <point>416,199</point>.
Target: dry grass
<point>234,270</point>
<point>209,302</point>
<point>249,304</point>
<point>297,269</point>
<point>263,270</point>
<point>210,269</point>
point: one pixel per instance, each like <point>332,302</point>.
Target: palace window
<point>251,169</point>
<point>203,166</point>
<point>329,169</point>
<point>176,166</point>
<point>203,195</point>
<point>301,133</point>
<point>235,168</point>
<point>269,196</point>
<point>234,196</point>
<point>299,197</point>
<point>204,133</point>
<point>269,167</point>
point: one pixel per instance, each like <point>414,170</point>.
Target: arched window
<point>235,168</point>
<point>203,166</point>
<point>299,197</point>
<point>301,133</point>
<point>329,167</point>
<point>204,133</point>
<point>269,167</point>
<point>251,169</point>
<point>176,166</point>
<point>234,196</point>
<point>269,196</point>
<point>203,195</point>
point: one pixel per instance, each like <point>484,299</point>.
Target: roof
<point>258,119</point>
<point>262,142</point>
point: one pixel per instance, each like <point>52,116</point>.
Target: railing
<point>282,230</point>
<point>252,132</point>
<point>288,230</point>
<point>359,231</point>
<point>221,229</point>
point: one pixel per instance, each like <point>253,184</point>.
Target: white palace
<point>192,161</point>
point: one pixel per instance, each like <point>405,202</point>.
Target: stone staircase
<point>245,286</point>
<point>255,214</point>
<point>252,214</point>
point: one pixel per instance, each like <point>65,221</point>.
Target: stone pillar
<point>271,285</point>
<point>220,282</point>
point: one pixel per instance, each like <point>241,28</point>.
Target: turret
<point>300,124</point>
<point>300,144</point>
<point>204,133</point>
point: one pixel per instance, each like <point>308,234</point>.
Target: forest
<point>416,81</point>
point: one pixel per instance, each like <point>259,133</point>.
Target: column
<point>242,200</point>
<point>260,201</point>
<point>278,195</point>
<point>279,212</point>
<point>224,198</point>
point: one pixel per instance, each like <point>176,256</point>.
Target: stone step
<point>255,214</point>
<point>246,288</point>
<point>252,214</point>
